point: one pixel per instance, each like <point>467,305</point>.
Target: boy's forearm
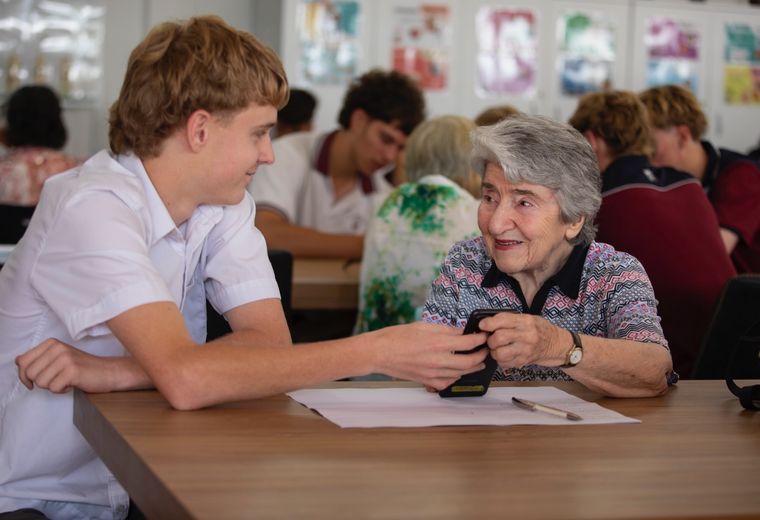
<point>127,374</point>
<point>309,243</point>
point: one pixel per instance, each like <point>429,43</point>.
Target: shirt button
<point>121,509</point>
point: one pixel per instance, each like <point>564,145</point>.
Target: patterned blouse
<point>598,292</point>
<point>23,171</point>
<point>404,246</point>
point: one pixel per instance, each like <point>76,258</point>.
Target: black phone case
<point>474,384</point>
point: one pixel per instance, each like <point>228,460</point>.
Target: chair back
<point>282,265</point>
<point>731,348</point>
<point>13,222</point>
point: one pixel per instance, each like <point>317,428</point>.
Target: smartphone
<point>474,384</point>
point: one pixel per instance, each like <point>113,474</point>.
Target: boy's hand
<point>425,353</point>
<point>58,367</point>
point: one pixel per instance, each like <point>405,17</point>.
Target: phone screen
<point>474,384</point>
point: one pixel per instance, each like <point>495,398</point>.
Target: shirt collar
<point>322,163</point>
<point>713,164</point>
<point>162,223</point>
<point>567,279</point>
<point>627,169</point>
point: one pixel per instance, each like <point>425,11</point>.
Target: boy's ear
<point>197,129</point>
<point>359,118</point>
<point>684,135</point>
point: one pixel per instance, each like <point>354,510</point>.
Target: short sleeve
<point>277,186</point>
<point>630,304</point>
<point>237,269</point>
<point>94,263</point>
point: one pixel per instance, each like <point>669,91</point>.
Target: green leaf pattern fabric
<point>405,245</point>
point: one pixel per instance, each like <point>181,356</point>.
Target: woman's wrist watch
<point>575,354</point>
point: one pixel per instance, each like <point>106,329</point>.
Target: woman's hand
<point>517,340</point>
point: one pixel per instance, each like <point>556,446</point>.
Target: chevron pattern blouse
<point>598,292</point>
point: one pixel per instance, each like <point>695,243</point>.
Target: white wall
<point>126,24</point>
<point>272,20</point>
<point>735,127</point>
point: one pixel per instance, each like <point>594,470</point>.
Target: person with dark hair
<point>34,135</point>
<point>659,215</point>
<point>297,114</point>
<point>316,200</point>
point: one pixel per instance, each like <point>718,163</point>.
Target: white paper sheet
<point>415,407</point>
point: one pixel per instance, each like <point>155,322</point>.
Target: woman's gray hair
<point>538,150</point>
<point>442,146</point>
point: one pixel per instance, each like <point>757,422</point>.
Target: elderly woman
<point>586,311</point>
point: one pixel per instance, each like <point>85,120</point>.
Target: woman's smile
<point>506,245</point>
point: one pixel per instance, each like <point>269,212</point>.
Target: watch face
<point>575,356</point>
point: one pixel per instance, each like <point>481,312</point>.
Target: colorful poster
<point>328,41</point>
<point>421,41</point>
<point>672,53</point>
<point>741,75</point>
<point>506,61</point>
<point>586,52</point>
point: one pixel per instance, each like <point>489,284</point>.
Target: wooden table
<point>325,284</point>
<point>695,455</point>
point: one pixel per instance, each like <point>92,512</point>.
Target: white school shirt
<point>297,186</point>
<point>102,242</point>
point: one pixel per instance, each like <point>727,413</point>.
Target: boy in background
<point>659,215</point>
<point>731,179</point>
<point>317,199</point>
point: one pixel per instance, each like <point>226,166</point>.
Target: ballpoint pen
<point>537,407</point>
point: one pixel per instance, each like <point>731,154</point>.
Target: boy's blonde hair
<point>619,118</point>
<point>181,67</point>
<point>672,105</point>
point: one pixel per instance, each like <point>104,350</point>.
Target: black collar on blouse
<point>567,280</point>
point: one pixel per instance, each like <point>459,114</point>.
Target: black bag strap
<point>749,396</point>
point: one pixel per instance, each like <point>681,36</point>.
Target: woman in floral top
<point>416,225</point>
<point>34,135</point>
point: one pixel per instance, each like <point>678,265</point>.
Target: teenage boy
<point>317,199</point>
<point>731,179</point>
<point>659,215</point>
<point>122,253</point>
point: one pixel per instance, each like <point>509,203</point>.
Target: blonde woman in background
<point>418,223</point>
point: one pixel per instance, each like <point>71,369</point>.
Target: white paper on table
<point>416,407</point>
